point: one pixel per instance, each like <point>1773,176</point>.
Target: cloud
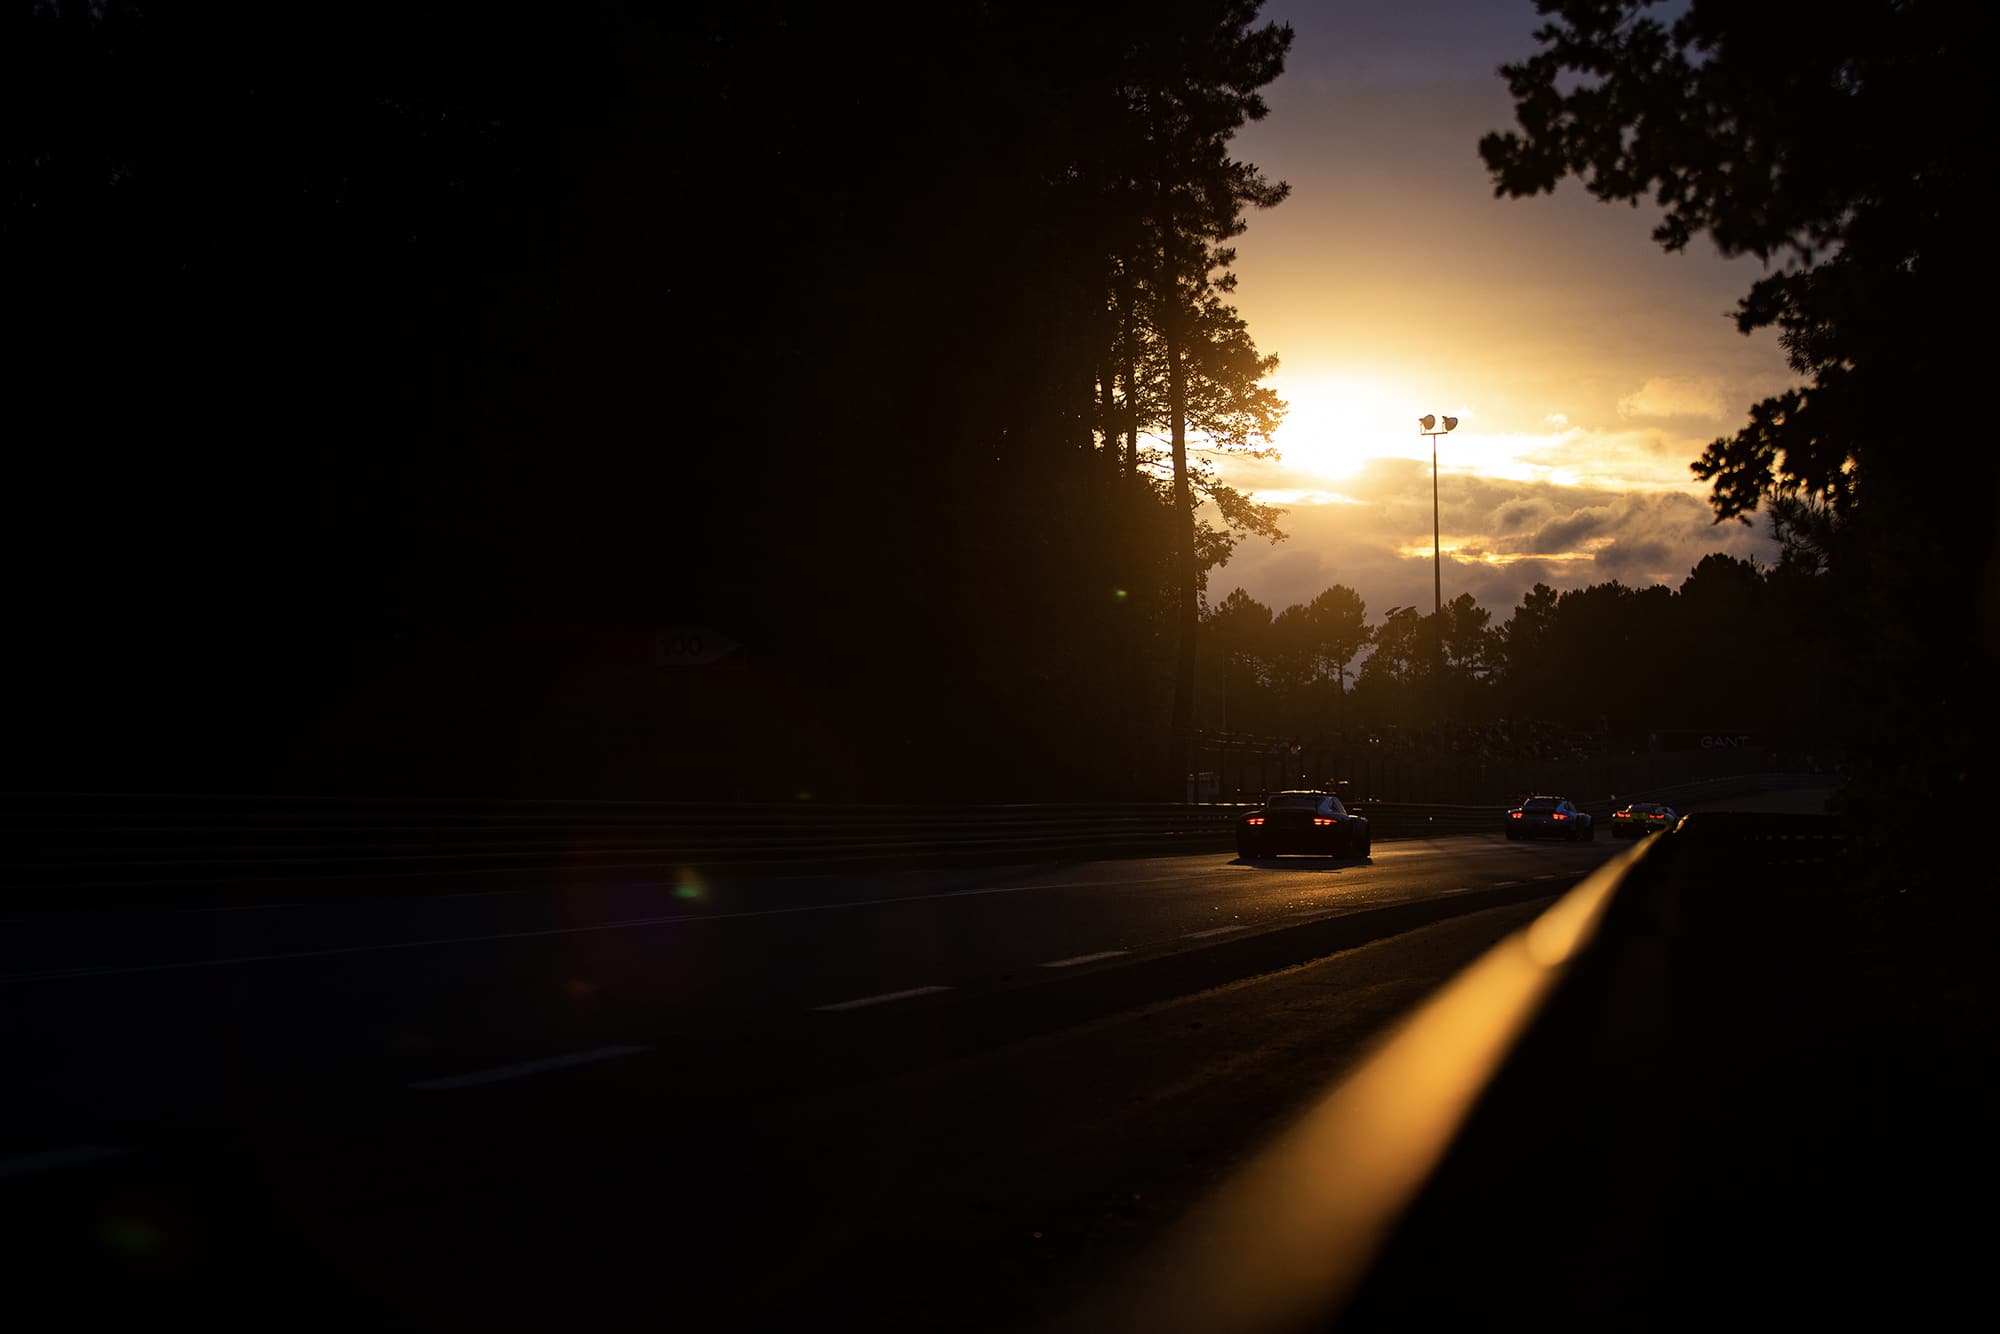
<point>1304,495</point>
<point>1501,537</point>
<point>1698,396</point>
<point>1570,533</point>
<point>1633,561</point>
<point>1514,516</point>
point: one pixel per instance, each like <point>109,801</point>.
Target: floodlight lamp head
<point>1427,421</point>
<point>1451,423</point>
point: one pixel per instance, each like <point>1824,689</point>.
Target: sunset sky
<point>1587,366</point>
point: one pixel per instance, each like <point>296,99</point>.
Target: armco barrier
<point>1701,1090</point>
<point>134,842</point>
<point>135,839</point>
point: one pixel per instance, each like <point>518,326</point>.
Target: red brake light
<point>1515,815</point>
<point>1561,816</point>
<point>1255,819</point>
<point>1322,819</point>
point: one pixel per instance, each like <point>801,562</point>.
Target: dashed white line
<point>882,999</point>
<point>1083,958</point>
<point>526,1068</point>
<point>1213,931</point>
<point>76,1155</point>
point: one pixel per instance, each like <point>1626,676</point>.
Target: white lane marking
<point>882,999</point>
<point>525,1068</point>
<point>1213,931</point>
<point>125,970</point>
<point>1083,958</point>
<point>51,1160</point>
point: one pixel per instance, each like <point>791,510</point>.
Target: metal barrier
<point>1663,1103</point>
<point>138,839</point>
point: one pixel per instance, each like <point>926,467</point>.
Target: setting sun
<point>1337,423</point>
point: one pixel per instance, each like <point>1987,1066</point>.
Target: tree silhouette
<point>1469,641</point>
<point>1239,629</point>
<point>395,374</point>
<point>1401,655</point>
<point>1338,620</point>
<point>1845,145</point>
<point>1527,648</point>
<point>1194,82</point>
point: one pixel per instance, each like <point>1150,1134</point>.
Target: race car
<point>1642,818</point>
<point>1305,821</point>
<point>1550,817</point>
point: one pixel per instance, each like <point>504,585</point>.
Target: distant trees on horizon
<point>1734,646</point>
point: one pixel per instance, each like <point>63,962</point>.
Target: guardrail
<point>1666,1101</point>
<point>130,839</point>
<point>137,839</point>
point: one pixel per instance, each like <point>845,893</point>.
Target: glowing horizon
<point>1587,367</point>
<point>1567,455</point>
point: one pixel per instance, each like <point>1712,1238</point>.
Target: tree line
<point>1735,647</point>
<point>396,376</point>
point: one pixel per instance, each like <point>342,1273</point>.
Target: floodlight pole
<point>1424,425</point>
<point>1437,550</point>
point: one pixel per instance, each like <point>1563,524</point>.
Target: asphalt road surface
<point>923,1100</point>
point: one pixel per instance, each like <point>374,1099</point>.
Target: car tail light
<point>1561,816</point>
<point>1255,819</point>
<point>1514,815</point>
<point>1322,819</point>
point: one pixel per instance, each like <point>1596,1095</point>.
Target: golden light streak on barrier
<point>1286,1243</point>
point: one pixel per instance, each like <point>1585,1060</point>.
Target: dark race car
<point>1302,821</point>
<point>1642,818</point>
<point>1550,817</point>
